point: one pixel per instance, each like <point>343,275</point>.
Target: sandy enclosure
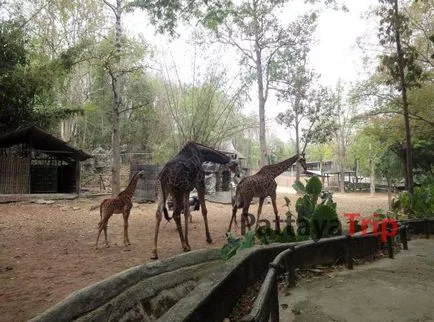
<point>47,251</point>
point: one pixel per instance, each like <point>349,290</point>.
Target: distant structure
<point>34,161</point>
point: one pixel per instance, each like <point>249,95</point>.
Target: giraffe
<point>121,204</point>
<point>262,185</point>
<point>178,178</point>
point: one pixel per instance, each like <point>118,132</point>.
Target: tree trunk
<point>261,98</point>
<point>389,193</point>
<point>297,148</point>
<point>372,170</point>
<point>117,100</point>
<point>401,63</point>
<point>342,161</point>
<point>262,140</point>
<point>116,162</point>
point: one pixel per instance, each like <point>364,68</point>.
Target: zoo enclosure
<point>325,251</point>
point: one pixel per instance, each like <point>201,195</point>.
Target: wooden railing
<point>326,251</point>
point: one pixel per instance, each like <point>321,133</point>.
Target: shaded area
<point>399,289</point>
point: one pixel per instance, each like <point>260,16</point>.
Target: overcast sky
<point>335,55</point>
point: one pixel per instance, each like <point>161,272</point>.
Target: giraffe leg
<point>276,212</point>
<point>186,215</point>
<point>177,218</point>
<point>201,196</point>
<point>234,217</point>
<point>126,214</point>
<point>245,216</point>
<point>100,228</point>
<point>105,235</point>
<point>158,217</point>
<point>261,202</point>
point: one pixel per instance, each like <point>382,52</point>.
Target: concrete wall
<point>142,293</point>
<point>195,286</point>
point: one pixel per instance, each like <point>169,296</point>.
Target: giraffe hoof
<point>186,248</point>
<point>107,245</point>
<point>209,240</point>
<point>154,255</point>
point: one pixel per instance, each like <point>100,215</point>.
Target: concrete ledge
<point>99,296</point>
<point>216,294</point>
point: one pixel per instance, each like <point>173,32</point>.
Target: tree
<point>254,29</point>
<point>401,66</point>
<point>311,111</point>
<point>345,125</point>
<point>184,106</point>
<point>26,83</point>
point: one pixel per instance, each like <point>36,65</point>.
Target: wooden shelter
<point>34,161</point>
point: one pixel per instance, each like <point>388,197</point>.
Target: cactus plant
<point>313,218</point>
<point>325,222</point>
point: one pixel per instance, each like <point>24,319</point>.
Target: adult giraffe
<point>262,185</point>
<point>178,178</point>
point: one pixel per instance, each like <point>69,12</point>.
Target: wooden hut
<point>34,161</point>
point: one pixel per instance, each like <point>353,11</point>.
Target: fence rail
<point>324,251</point>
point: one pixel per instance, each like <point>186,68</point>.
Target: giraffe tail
<point>165,212</point>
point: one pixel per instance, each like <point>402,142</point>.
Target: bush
<point>235,245</point>
<point>419,204</point>
<point>325,222</point>
<point>314,219</point>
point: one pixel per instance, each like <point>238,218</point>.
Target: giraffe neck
<point>205,153</point>
<point>276,169</point>
<point>129,191</point>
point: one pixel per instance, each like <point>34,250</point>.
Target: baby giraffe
<point>121,204</point>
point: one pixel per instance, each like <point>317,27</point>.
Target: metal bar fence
<point>342,248</point>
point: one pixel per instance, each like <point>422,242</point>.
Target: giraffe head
<point>234,167</point>
<point>302,161</point>
<point>140,174</point>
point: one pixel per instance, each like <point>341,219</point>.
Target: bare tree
<point>116,78</point>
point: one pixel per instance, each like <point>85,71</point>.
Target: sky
<point>335,55</point>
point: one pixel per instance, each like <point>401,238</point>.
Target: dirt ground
<point>47,251</point>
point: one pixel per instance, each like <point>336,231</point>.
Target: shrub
<point>316,219</point>
<point>419,204</point>
<point>235,245</point>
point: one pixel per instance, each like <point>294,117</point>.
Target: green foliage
<point>26,84</point>
<point>267,235</point>
<point>419,204</point>
<point>321,216</point>
<point>314,186</point>
<point>393,23</point>
<point>166,14</point>
<point>235,245</point>
<point>324,222</point>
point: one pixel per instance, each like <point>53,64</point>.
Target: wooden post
<point>404,237</point>
<point>77,176</point>
<point>389,244</point>
<point>427,228</point>
<point>291,268</point>
<point>348,252</point>
<point>274,300</point>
